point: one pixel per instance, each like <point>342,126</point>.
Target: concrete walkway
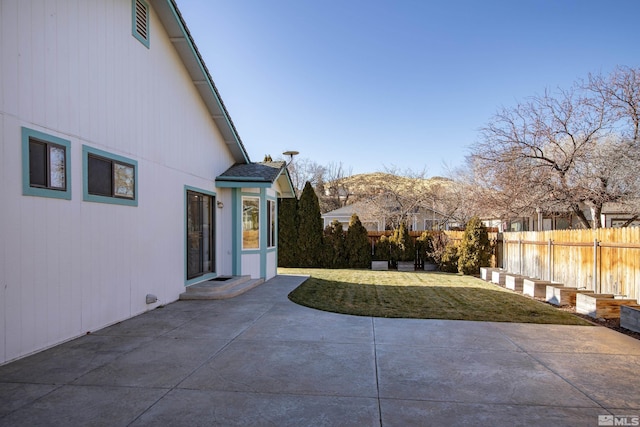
<point>260,359</point>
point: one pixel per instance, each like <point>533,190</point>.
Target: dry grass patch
<point>423,295</point>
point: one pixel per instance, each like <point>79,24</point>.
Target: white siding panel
<point>25,69</point>
<point>54,244</point>
<point>60,102</point>
<point>39,67</point>
<point>51,74</point>
<point>11,243</point>
<point>8,68</point>
<point>5,224</point>
<point>251,265</point>
<point>272,263</point>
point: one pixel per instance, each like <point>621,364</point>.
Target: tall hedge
<point>310,247</point>
<point>475,248</point>
<point>287,232</point>
<point>358,246</point>
<point>402,247</point>
<point>335,251</point>
<point>382,249</point>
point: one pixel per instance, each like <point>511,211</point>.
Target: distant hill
<point>379,182</point>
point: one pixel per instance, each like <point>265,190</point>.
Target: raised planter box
<point>604,306</point>
<point>428,266</point>
<point>535,288</point>
<point>630,317</point>
<point>514,282</point>
<point>485,273</point>
<point>498,277</point>
<point>406,266</point>
<point>379,265</point>
<point>563,295</point>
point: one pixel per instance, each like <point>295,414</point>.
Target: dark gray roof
<point>253,172</point>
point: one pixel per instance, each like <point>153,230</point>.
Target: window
<point>250,223</point>
<point>200,234</point>
<point>271,223</point>
<point>45,165</point>
<point>140,21</point>
<point>109,178</point>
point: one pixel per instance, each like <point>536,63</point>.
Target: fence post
<point>550,259</point>
<point>594,280</point>
<point>520,255</point>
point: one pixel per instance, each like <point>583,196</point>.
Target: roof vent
<point>141,21</point>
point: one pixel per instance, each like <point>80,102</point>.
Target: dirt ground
<point>607,323</point>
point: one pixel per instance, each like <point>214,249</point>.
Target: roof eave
<point>181,39</point>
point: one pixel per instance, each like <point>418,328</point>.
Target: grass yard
<point>423,295</point>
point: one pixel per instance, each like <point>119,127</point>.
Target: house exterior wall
<point>73,70</point>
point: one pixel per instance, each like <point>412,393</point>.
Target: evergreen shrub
<point>475,248</point>
<point>357,244</point>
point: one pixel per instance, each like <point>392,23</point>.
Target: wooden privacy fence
<point>606,260</point>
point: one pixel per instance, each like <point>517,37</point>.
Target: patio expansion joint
<point>558,374</point>
<point>375,361</point>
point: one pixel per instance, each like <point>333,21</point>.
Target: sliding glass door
<point>200,234</point>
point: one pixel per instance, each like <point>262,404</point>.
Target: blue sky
<point>402,84</point>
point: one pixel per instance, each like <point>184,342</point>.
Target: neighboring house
<point>613,215</point>
<point>122,173</point>
<point>343,216</point>
<point>420,220</point>
<point>617,215</point>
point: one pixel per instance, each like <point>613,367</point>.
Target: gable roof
<point>344,211</point>
<point>180,37</point>
<point>361,205</point>
<point>259,175</point>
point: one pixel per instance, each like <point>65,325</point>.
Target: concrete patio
<point>259,359</point>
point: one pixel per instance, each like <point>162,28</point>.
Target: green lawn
<point>420,296</point>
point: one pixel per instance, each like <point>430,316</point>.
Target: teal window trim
<point>275,223</point>
<point>140,30</point>
<point>86,150</point>
<point>27,189</point>
<point>236,232</point>
<point>261,208</point>
<point>206,276</point>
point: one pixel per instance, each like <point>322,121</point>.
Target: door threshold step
<point>220,289</point>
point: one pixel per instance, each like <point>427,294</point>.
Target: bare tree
<point>541,143</point>
<point>620,92</point>
<point>564,150</point>
<point>304,170</point>
<point>333,191</point>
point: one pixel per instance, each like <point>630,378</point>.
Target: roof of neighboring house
<point>180,37</point>
<point>348,210</point>
<point>344,211</point>
<point>257,175</point>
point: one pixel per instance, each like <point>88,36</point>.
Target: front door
<point>200,234</point>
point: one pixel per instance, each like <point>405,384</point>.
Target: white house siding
<point>272,264</point>
<point>251,264</point>
<point>73,70</point>
<point>271,258</point>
